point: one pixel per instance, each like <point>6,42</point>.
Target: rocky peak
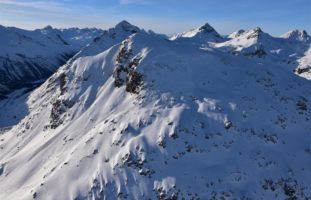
<point>254,33</point>
<point>126,26</point>
<point>236,33</point>
<point>297,35</point>
<point>207,28</point>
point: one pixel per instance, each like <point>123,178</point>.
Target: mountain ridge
<point>137,116</point>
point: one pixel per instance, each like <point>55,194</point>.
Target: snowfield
<point>135,115</point>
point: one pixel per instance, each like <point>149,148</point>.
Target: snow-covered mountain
<point>79,37</point>
<point>151,118</point>
<point>304,68</point>
<point>236,34</point>
<point>12,114</point>
<point>290,49</point>
<point>201,35</point>
<point>109,38</point>
<point>297,35</point>
<point>29,56</point>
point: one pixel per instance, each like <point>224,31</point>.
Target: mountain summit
<point>207,28</point>
<point>126,26</point>
<point>297,35</point>
<point>203,34</point>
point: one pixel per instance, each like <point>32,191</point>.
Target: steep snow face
<point>27,56</point>
<point>236,34</point>
<point>150,118</point>
<point>304,67</point>
<point>201,35</point>
<point>14,107</point>
<point>12,114</point>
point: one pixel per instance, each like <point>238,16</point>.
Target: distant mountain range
<point>131,114</point>
<point>27,57</point>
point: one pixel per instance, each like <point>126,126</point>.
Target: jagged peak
<point>124,22</point>
<point>254,33</point>
<point>126,26</point>
<point>207,28</point>
<point>300,35</point>
<point>203,30</point>
<point>256,30</point>
<point>121,30</point>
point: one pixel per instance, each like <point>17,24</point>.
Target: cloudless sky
<point>165,16</point>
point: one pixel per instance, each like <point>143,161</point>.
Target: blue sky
<point>165,16</point>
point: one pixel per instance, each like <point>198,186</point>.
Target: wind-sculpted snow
<point>200,123</point>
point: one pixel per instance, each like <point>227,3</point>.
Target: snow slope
<point>304,67</point>
<point>12,114</point>
<point>14,107</point>
<point>236,34</point>
<point>27,56</point>
<point>150,118</point>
